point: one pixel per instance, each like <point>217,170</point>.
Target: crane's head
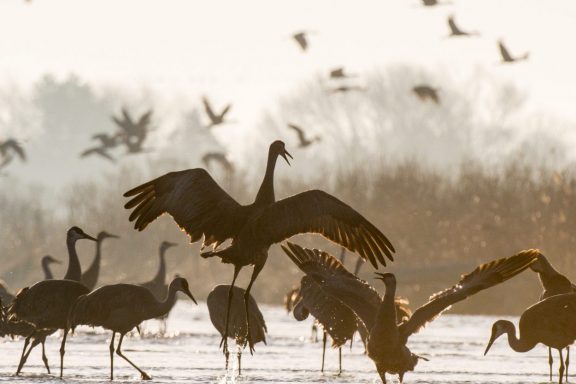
<point>105,235</point>
<point>165,245</point>
<point>76,233</point>
<point>387,278</point>
<point>278,148</point>
<point>181,284</point>
<point>498,329</point>
<point>50,260</point>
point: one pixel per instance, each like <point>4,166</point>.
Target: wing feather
<point>318,212</point>
<point>484,276</point>
<point>195,201</point>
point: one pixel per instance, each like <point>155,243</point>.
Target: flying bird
<point>100,151</point>
<point>387,339</point>
<point>120,308</point>
<point>507,57</point>
<point>301,39</point>
<point>204,210</point>
<point>215,118</point>
<point>106,140</point>
<point>218,157</point>
<point>339,73</point>
<point>9,149</point>
<point>133,134</point>
<point>551,322</point>
<point>303,140</point>
<point>425,92</point>
<point>455,31</point>
<point>217,300</point>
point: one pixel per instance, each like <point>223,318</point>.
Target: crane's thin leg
<point>44,358</point>
<point>22,357</point>
<point>112,356</point>
<point>255,273</point>
<point>224,341</point>
<point>339,360</point>
<point>323,350</point>
<point>119,353</point>
<point>561,370</point>
<point>382,377</point>
<point>550,361</point>
<point>314,336</point>
<point>352,341</point>
<point>62,351</point>
<point>240,363</point>
<point>567,361</point>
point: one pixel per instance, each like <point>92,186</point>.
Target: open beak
<point>187,292</point>
<point>492,339</point>
<point>285,155</point>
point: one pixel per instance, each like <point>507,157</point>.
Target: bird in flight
<point>215,118</point>
<point>303,140</point>
<point>507,57</point>
<point>456,31</point>
<point>301,39</point>
<point>425,92</point>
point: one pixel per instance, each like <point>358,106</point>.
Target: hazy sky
<point>241,51</point>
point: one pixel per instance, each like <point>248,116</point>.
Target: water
<point>454,344</point>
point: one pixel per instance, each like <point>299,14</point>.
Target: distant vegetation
<point>452,185</point>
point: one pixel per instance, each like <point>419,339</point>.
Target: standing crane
<point>387,339</point>
<point>46,303</point>
<point>553,283</point>
<point>203,209</point>
<point>158,285</point>
<point>216,302</point>
<point>46,261</point>
<point>90,276</point>
<point>551,322</point>
<point>120,308</point>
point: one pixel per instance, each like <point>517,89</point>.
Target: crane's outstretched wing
<point>197,204</point>
<point>484,276</point>
<point>504,52</point>
<point>211,115</point>
<point>316,211</point>
<point>336,281</point>
<point>225,111</point>
<point>15,147</point>
<point>299,132</point>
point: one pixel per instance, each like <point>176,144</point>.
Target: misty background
<point>484,174</point>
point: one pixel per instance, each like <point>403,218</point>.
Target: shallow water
<point>189,354</point>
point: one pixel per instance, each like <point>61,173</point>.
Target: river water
<point>189,354</point>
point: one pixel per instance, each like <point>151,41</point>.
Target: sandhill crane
<point>106,140</point>
<point>387,339</point>
<point>45,305</point>
<point>301,39</point>
<point>9,149</point>
<point>74,272</point>
<point>551,322</point>
<point>426,92</point>
<point>133,134</point>
<point>120,308</point>
<point>46,261</point>
<point>507,57</point>
<point>553,283</point>
<point>158,285</point>
<point>302,139</point>
<point>215,118</point>
<point>216,302</point>
<point>90,276</point>
<point>339,73</point>
<point>455,31</point>
<point>218,157</point>
<point>100,151</point>
<point>203,209</point>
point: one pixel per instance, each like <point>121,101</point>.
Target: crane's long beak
<point>111,236</point>
<point>285,155</point>
<point>492,339</point>
<point>56,261</point>
<point>87,236</point>
<point>189,294</point>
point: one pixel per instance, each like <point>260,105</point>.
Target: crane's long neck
<point>266,192</point>
<point>94,268</point>
<point>385,329</point>
<point>46,268</point>
<point>160,277</point>
<point>163,307</point>
<point>74,271</point>
<point>519,345</point>
<point>548,272</point>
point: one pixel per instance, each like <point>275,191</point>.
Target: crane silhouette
<point>45,304</point>
<point>133,134</point>
<point>456,31</point>
<point>9,149</point>
<point>339,73</point>
<point>217,300</point>
<point>553,283</point>
<point>302,139</point>
<point>158,285</point>
<point>203,209</point>
<point>301,38</point>
<point>387,339</point>
<point>100,151</point>
<point>215,118</point>
<point>45,262</point>
<point>507,57</point>
<point>90,276</point>
<point>551,322</point>
<point>120,308</point>
<point>426,92</point>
